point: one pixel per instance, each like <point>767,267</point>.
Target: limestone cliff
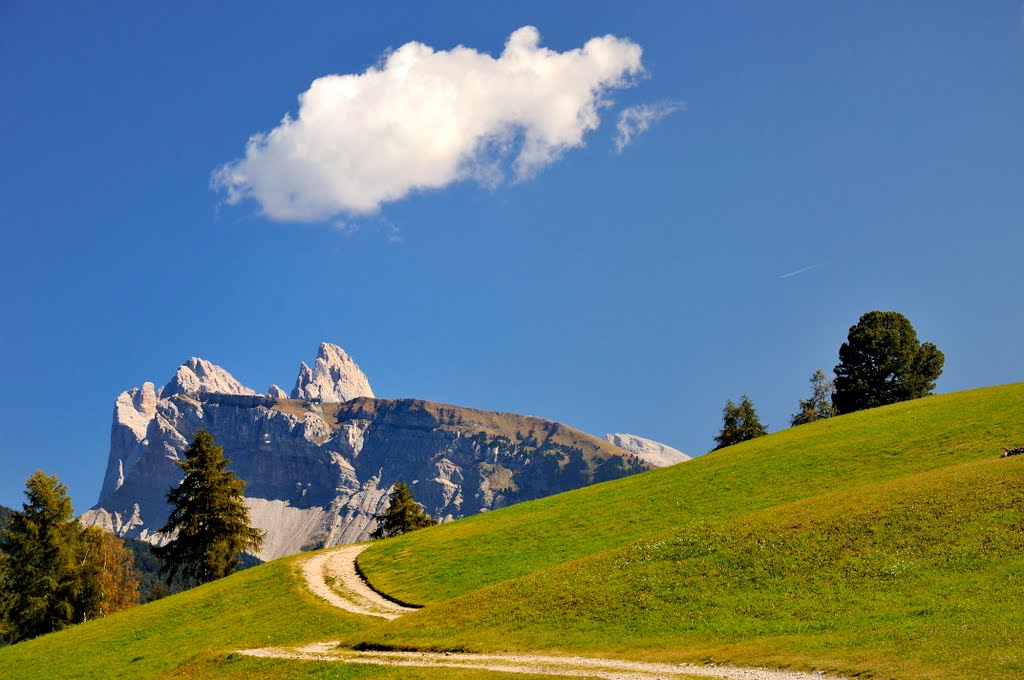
<point>319,468</point>
<point>655,453</point>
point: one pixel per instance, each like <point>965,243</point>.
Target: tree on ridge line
<point>820,405</point>
<point>739,423</point>
<point>882,362</point>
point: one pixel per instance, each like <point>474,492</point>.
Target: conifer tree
<point>209,521</point>
<point>403,514</point>
<point>739,423</point>
<point>40,579</point>
<point>882,362</point>
<point>819,406</point>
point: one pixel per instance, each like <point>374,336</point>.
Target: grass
<point>884,544</point>
<point>909,578</point>
<point>888,542</point>
<point>849,452</point>
<point>265,605</point>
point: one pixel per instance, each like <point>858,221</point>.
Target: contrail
<point>799,271</point>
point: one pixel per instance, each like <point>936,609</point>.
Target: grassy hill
<point>887,543</point>
<point>854,451</point>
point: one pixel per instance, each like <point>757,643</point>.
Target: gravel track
<point>332,576</point>
<point>560,666</point>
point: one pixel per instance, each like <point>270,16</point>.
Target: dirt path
<point>562,666</point>
<point>332,576</point>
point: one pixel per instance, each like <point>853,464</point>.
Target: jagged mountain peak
<point>197,376</point>
<point>319,467</point>
<point>334,377</point>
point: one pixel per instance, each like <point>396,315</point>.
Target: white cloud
<point>424,119</point>
<point>635,120</point>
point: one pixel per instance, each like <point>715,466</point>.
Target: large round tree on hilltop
<point>882,362</point>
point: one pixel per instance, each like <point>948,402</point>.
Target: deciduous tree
<point>819,406</point>
<point>111,583</point>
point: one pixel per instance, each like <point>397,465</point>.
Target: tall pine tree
<point>40,577</point>
<point>209,521</point>
<point>403,514</point>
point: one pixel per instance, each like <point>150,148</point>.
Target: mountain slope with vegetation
<point>888,543</point>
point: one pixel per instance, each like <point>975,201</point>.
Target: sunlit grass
<point>842,453</point>
<point>261,606</point>
<point>915,577</point>
<point>888,543</point>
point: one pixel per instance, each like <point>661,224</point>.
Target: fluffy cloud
<point>424,119</point>
<point>634,121</point>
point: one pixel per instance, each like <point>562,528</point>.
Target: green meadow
<point>888,543</point>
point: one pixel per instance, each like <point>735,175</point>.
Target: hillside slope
<point>886,544</point>
<point>259,605</point>
<point>848,452</point>
<point>915,577</point>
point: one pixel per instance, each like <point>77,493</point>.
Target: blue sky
<point>880,144</point>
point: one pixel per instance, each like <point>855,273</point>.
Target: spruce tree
<point>40,578</point>
<point>819,406</point>
<point>403,514</point>
<point>209,521</point>
<point>882,362</point>
<point>739,423</point>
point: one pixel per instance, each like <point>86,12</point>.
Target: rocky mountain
<point>334,377</point>
<point>198,376</point>
<point>655,453</point>
<point>320,465</point>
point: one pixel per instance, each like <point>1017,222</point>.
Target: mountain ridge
<point>319,469</point>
